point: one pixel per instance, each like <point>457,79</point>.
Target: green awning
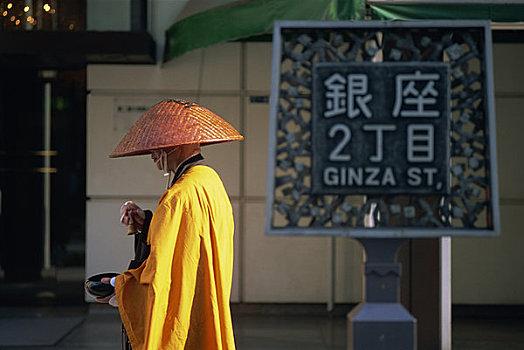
<point>250,18</point>
<point>243,19</point>
<point>413,10</point>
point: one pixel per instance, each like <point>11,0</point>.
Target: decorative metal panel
<point>462,200</point>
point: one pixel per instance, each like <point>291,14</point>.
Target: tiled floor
<point>101,330</point>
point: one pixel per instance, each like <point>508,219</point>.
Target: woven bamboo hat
<point>172,123</point>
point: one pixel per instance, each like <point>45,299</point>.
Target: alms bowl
<point>97,289</point>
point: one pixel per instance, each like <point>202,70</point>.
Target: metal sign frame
<point>470,208</point>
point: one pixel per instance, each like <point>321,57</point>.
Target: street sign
<point>382,129</point>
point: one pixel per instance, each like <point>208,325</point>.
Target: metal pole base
<point>381,326</point>
<point>381,322</point>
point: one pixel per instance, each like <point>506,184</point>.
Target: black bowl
<point>97,289</point>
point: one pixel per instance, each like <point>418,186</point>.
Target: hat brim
<point>173,123</point>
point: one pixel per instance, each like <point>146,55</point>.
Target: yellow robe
<point>179,297</point>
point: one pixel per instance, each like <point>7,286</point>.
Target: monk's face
<point>156,156</point>
<point>175,156</point>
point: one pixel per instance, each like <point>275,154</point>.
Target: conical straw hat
<point>171,123</point>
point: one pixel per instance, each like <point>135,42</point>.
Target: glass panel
<point>43,15</point>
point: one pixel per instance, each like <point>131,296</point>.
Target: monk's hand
<point>132,216</point>
<point>110,299</point>
<point>106,299</point>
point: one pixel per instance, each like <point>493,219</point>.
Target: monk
<point>178,296</point>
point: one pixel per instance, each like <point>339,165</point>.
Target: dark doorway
<point>42,221</point>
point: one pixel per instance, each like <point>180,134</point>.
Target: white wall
<point>279,269</point>
<point>488,270</point>
<point>109,15</point>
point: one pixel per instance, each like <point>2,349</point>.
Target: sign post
<point>382,131</point>
<point>381,322</point>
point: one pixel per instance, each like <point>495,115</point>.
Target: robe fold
<point>179,297</point>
